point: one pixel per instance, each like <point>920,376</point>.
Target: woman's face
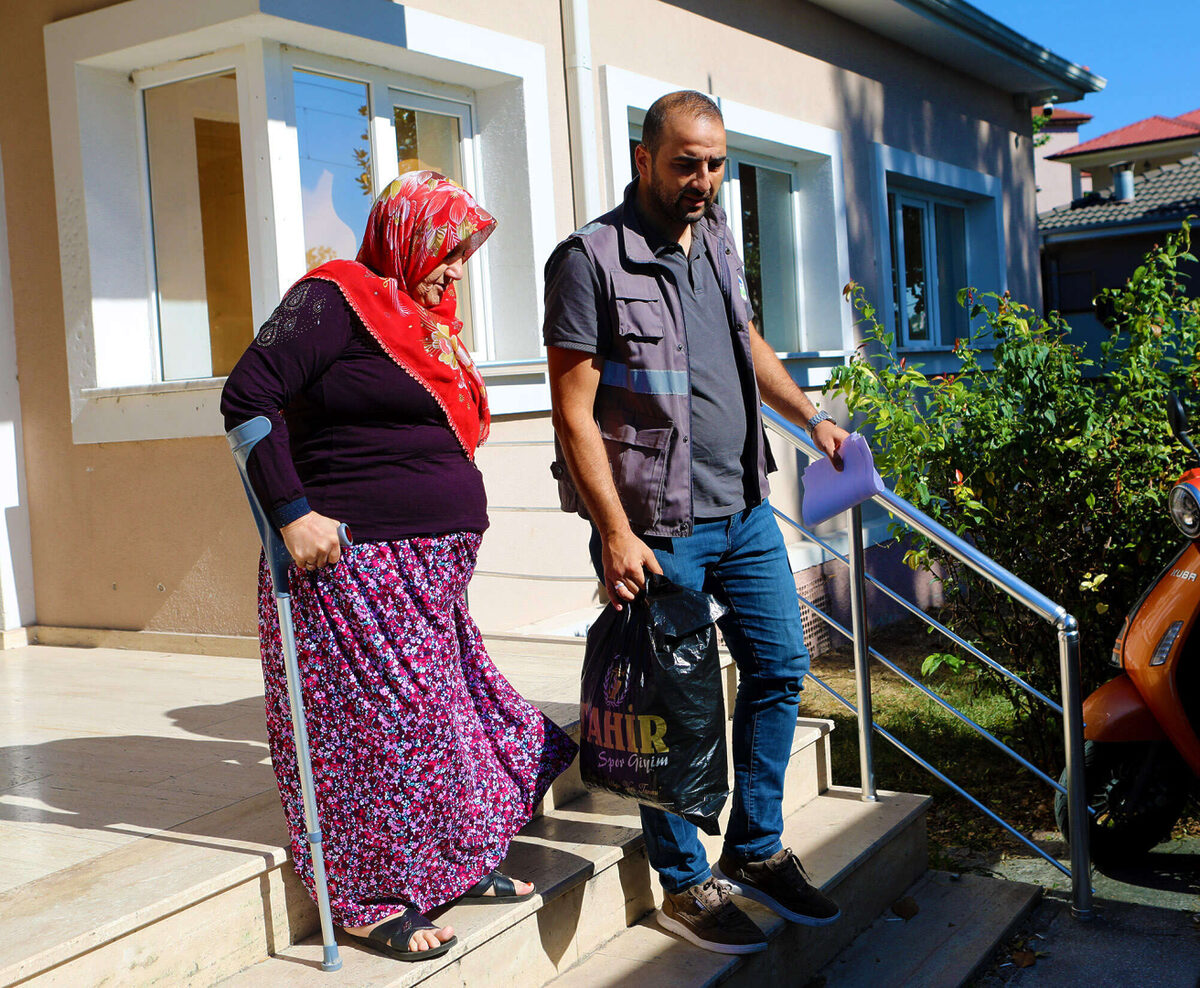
<point>429,290</point>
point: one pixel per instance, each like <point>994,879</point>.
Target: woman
<point>426,760</point>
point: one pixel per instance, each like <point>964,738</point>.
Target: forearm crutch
<point>242,440</point>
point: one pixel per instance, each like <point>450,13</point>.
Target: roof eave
<point>1114,229</point>
<point>1120,152</point>
<point>974,43</point>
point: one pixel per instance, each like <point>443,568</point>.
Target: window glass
<point>426,139</point>
<point>429,141</point>
<point>916,315</point>
<point>951,237</point>
<point>198,211</point>
<point>769,252</point>
<point>333,128</point>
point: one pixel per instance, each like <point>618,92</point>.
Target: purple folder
<point>828,493</point>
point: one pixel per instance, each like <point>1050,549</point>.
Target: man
<point>655,374</point>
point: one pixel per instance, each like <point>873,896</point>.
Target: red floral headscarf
<point>415,223</point>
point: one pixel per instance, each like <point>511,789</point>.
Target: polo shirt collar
<point>643,245</point>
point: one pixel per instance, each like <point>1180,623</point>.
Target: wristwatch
<point>821,416</point>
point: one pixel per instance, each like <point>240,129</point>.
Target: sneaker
<point>709,918</point>
<point>779,883</point>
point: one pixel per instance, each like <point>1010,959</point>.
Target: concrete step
<point>588,862</point>
<point>961,919</point>
<point>208,893</point>
<point>864,854</point>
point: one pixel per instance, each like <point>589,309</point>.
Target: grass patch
<point>955,825</point>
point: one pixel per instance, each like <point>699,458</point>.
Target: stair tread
<point>67,912</point>
<point>77,908</point>
<point>596,830</point>
<point>811,831</point>
<point>960,922</point>
<point>833,834</point>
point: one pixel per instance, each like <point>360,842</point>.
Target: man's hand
<point>626,559</point>
<point>779,391</point>
<point>312,539</point>
<point>828,437</point>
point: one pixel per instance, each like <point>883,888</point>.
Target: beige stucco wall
<point>1056,186</point>
<point>801,61</point>
<point>143,535</point>
<point>155,535</point>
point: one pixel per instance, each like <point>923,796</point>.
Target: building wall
<point>156,535</point>
<point>16,569</point>
<point>1054,178</point>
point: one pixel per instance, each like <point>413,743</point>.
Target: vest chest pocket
<point>638,309</point>
<point>638,458</point>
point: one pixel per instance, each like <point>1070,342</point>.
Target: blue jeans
<point>741,560</point>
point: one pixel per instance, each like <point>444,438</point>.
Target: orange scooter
<point>1142,729</point>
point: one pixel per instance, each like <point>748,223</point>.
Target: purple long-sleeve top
<point>354,436</point>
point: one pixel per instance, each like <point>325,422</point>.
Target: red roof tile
<point>1148,131</point>
<point>1192,118</point>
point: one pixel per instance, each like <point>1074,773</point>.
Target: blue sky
<point>1146,50</point>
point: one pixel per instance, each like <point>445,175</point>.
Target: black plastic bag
<point>651,710</point>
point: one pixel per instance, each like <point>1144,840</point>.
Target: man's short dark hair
<point>685,101</point>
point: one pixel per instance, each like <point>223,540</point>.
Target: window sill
<point>192,409</point>
<point>157,388</point>
<point>142,412</point>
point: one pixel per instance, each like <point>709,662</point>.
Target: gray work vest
<point>643,403</point>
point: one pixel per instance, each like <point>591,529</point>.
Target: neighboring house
<point>1057,182</point>
<point>1097,240</point>
<point>1137,147</point>
<point>170,169</point>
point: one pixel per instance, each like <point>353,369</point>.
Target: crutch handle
<point>344,537</point>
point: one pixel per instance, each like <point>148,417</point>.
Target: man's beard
<point>672,207</point>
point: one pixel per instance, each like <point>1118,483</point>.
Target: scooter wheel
<point>1137,789</point>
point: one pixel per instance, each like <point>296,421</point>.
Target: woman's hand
<point>312,539</point>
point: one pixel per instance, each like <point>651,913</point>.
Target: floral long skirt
<point>426,760</point>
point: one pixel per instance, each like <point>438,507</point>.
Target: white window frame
<point>91,61</point>
<point>463,110</point>
<point>387,89</point>
<point>905,173</point>
<point>731,199</point>
<point>927,203</point>
<point>826,331</point>
<point>144,80</point>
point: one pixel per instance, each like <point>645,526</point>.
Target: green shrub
<point>1061,478</point>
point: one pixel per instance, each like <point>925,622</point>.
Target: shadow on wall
<point>884,92</point>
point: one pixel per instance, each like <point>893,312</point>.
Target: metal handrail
<point>1068,639</point>
<point>930,694</point>
<point>962,550</point>
<point>917,612</point>
<point>943,778</point>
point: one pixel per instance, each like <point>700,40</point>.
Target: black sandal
<point>505,888</point>
<point>398,931</point>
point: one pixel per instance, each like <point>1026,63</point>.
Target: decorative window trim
<point>981,195</point>
<point>90,63</point>
<point>627,96</point>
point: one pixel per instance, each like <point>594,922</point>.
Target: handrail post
<point>862,655</point>
<point>1077,815</point>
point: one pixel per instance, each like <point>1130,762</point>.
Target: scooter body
<point>1157,695</point>
<point>1142,728</point>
